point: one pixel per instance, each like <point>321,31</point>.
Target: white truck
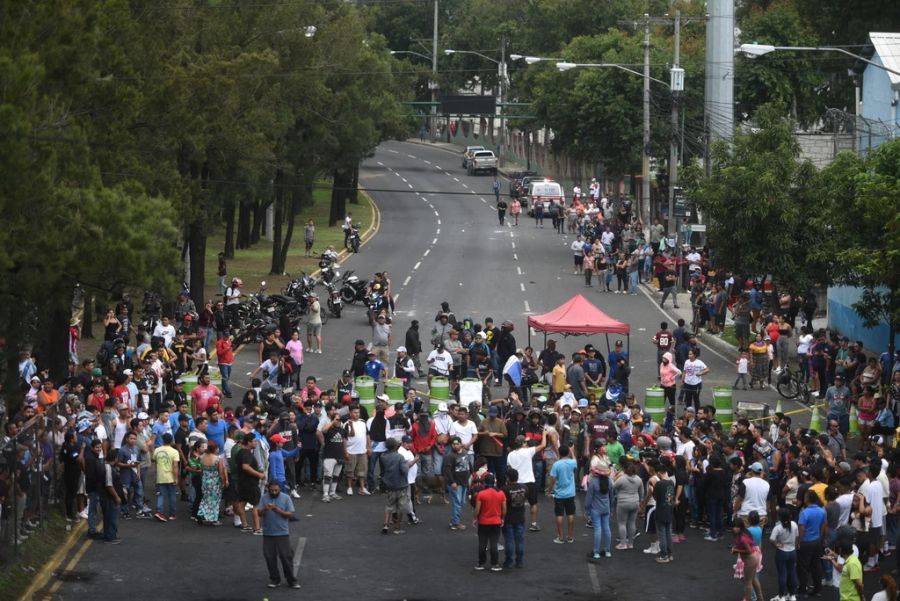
<point>482,160</point>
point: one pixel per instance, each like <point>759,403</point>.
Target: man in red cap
<point>277,456</point>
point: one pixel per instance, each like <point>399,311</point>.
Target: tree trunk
<point>277,263</point>
<point>53,353</point>
<point>259,216</point>
<point>197,250</point>
<point>229,229</point>
<point>296,201</point>
<point>338,210</point>
<point>243,230</point>
<point>87,322</point>
<point>353,192</point>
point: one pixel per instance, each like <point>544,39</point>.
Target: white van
<point>547,192</point>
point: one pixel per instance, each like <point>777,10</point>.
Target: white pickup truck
<point>482,160</point>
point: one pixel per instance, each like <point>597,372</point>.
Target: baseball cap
<point>619,343</point>
<point>623,417</point>
<point>143,415</point>
<point>346,372</point>
<point>493,412</point>
<point>84,425</point>
<point>401,349</point>
<point>179,381</point>
<point>442,406</point>
<point>479,334</point>
<point>278,438</point>
<point>406,438</point>
<point>383,397</point>
<point>845,467</point>
<point>756,467</point>
<point>128,372</point>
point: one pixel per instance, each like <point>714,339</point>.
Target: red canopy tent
<point>577,317</point>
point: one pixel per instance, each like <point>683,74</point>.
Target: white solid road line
<point>406,281</point>
<point>417,265</point>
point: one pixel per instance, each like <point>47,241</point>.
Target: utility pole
<point>676,85</point>
<point>501,67</point>
<point>433,84</point>
<point>645,150</point>
<point>719,89</point>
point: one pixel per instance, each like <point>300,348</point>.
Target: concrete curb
<point>54,563</point>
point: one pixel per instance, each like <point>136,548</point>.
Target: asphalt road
<point>440,240</point>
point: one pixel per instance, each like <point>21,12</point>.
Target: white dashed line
<point>515,257</point>
<point>436,213</point>
<point>394,151</point>
<point>511,235</point>
<point>434,241</point>
<point>406,281</point>
<point>484,201</point>
<point>438,232</point>
<point>380,164</point>
<point>426,252</point>
<point>410,186</point>
<point>438,167</point>
<point>518,270</point>
<point>513,244</point>
<point>465,186</point>
<point>527,307</point>
<point>396,296</point>
<point>417,265</point>
<point>522,286</point>
<point>456,179</point>
<point>439,221</point>
<point>403,179</point>
<point>411,156</point>
<point>427,162</point>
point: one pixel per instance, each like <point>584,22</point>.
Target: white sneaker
<point>84,514</point>
<point>365,492</point>
<point>326,499</point>
<point>652,549</point>
<point>778,598</point>
<point>295,494</point>
<point>350,492</point>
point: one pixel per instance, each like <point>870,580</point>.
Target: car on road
<point>544,191</point>
<point>482,160</point>
<point>468,153</point>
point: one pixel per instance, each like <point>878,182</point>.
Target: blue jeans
<point>714,513</point>
<point>225,370</point>
<point>165,492</point>
<point>537,466</point>
<point>110,518</point>
<point>370,476</point>
<point>786,563</point>
<point>93,508</point>
<point>497,466</point>
<point>514,537</point>
<point>602,535</point>
<point>633,282</point>
<point>495,364</point>
<point>457,499</point>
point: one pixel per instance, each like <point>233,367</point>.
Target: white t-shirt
<point>520,460</point>
<point>606,238</point>
<point>742,365</point>
<point>688,451</point>
<point>166,332</point>
<point>787,537</point>
<point>873,493</point>
<point>465,432</point>
<point>442,362</point>
<point>803,344</point>
<point>694,260</point>
<point>692,370</point>
<point>356,444</point>
<point>845,502</point>
<point>577,247</point>
<point>442,423</point>
<point>880,596</point>
<point>756,490</point>
<point>413,469</point>
<point>122,428</point>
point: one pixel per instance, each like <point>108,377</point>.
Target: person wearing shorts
<point>249,476</point>
<point>578,253</point>
<point>562,482</point>
<point>395,482</point>
<point>314,325</point>
<point>359,447</point>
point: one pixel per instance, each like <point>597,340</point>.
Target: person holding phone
<point>276,509</point>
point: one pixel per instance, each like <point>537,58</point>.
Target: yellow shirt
<point>559,379</point>
<point>165,457</point>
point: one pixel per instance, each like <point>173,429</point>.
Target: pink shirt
<point>201,396</point>
<point>295,348</point>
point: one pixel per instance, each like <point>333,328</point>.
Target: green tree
<point>752,203</point>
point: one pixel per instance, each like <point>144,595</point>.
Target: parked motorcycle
<point>353,289</point>
<point>355,239</point>
<point>328,267</point>
<point>334,300</point>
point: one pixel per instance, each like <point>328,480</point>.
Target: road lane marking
<point>515,257</point>
<point>402,178</point>
<point>380,163</point>
<point>410,186</point>
<point>484,201</point>
<point>438,167</point>
<point>412,156</point>
<point>522,286</point>
<point>439,221</point>
<point>396,296</point>
<point>425,254</point>
<point>527,307</point>
<point>434,241</point>
<point>406,281</point>
<point>518,270</point>
<point>394,151</point>
<point>513,244</point>
<point>427,162</point>
<point>417,265</point>
<point>465,186</point>
<point>456,179</point>
<point>438,231</point>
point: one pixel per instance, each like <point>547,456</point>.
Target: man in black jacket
<point>414,346</point>
<point>360,356</point>
<point>307,424</point>
<point>506,343</point>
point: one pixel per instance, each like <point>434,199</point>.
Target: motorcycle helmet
<point>508,325</point>
<point>376,288</point>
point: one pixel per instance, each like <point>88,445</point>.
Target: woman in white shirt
<point>803,344</point>
<point>784,537</point>
<point>692,380</point>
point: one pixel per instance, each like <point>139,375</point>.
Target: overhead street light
<point>413,52</point>
<point>756,50</point>
<point>532,59</point>
<point>565,66</point>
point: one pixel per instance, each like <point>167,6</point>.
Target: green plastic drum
<point>655,404</point>
<point>394,389</point>
<point>440,388</point>
<point>365,386</point>
<point>723,403</point>
<point>540,389</point>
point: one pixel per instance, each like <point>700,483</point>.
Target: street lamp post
<point>432,86</point>
<point>755,50</point>
<point>502,75</point>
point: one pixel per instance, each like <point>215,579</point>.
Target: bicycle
<point>790,386</point>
